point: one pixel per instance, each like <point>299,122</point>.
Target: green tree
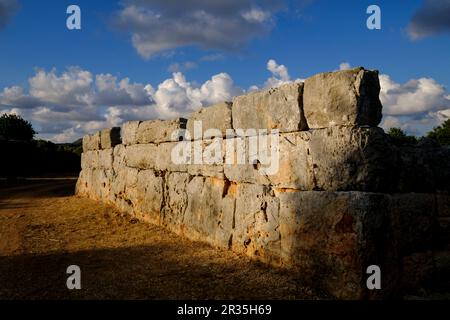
<point>14,127</point>
<point>441,133</point>
<point>400,136</point>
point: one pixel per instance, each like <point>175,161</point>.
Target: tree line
<point>22,155</point>
<point>440,134</point>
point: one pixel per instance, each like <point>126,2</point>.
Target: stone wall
<point>344,196</point>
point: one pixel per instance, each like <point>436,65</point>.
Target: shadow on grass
<point>144,272</point>
<point>36,188</point>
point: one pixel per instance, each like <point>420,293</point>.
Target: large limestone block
<point>348,97</point>
<point>413,217</point>
<point>280,160</point>
<point>165,158</point>
<point>210,209</point>
<point>131,187</point>
<point>351,158</point>
<point>205,158</point>
<point>295,164</point>
<point>105,159</point>
<point>216,117</point>
<point>417,271</point>
<point>277,108</point>
<point>331,238</point>
<point>90,159</point>
<point>110,137</point>
<point>156,131</point>
<point>176,201</point>
<point>82,187</point>
<point>101,183</point>
<point>238,166</point>
<point>335,158</point>
<point>257,223</point>
<point>150,195</point>
<point>101,159</point>
<point>124,180</point>
<point>225,218</point>
<point>119,157</point>
<point>141,156</point>
<point>91,142</point>
<point>153,156</point>
<point>129,132</point>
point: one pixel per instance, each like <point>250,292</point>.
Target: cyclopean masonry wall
<point>344,196</point>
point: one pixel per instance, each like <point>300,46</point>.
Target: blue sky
<point>302,37</point>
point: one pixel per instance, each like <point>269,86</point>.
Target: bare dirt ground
<point>44,229</point>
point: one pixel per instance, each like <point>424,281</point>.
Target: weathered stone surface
<point>257,223</point>
<point>237,167</point>
<point>91,142</point>
<point>336,158</point>
<point>413,218</point>
<point>141,156</point>
<point>81,187</point>
<point>105,159</point>
<point>165,160</point>
<point>99,182</point>
<point>248,166</point>
<point>351,158</point>
<point>129,132</point>
<point>125,180</point>
<point>99,159</point>
<point>206,157</point>
<point>210,211</point>
<point>109,138</point>
<point>417,270</point>
<point>330,238</point>
<point>176,201</point>
<point>216,117</point>
<point>443,204</point>
<point>348,97</point>
<point>150,195</point>
<point>89,159</point>
<point>157,131</point>
<point>277,108</point>
<point>119,157</point>
<point>153,156</point>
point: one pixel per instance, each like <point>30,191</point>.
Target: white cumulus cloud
<point>65,106</point>
<point>415,106</point>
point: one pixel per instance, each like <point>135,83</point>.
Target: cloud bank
<point>416,106</point>
<point>432,18</point>
<point>158,26</point>
<point>65,106</point>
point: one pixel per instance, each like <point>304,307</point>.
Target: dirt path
<point>44,229</point>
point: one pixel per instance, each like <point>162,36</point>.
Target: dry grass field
<point>44,228</point>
